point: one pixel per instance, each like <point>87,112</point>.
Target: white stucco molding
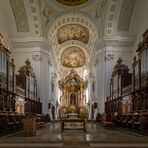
<point>100,51</point>
<point>115,42</point>
<point>26,42</point>
<point>109,57</point>
<point>36,57</point>
<point>33,43</point>
<point>119,41</point>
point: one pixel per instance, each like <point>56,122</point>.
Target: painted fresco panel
<point>73,32</point>
<point>73,57</point>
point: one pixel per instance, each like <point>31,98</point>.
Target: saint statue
<point>73,99</point>
<point>73,108</point>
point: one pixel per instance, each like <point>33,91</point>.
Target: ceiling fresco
<point>73,57</point>
<point>72,2</point>
<point>73,32</point>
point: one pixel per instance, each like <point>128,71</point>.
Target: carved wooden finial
<point>145,34</point>
<point>12,60</point>
<point>27,62</point>
<point>134,59</point>
<point>113,73</point>
<point>119,61</point>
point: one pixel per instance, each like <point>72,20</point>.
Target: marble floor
<point>96,136</point>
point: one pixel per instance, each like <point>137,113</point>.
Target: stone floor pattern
<point>96,136</point>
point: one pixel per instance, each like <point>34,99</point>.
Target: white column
<point>44,82</point>
<point>100,84</point>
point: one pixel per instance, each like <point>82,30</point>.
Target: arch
<point>72,17</point>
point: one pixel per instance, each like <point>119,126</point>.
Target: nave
<point>96,136</point>
<point>66,62</point>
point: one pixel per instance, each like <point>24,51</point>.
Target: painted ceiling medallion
<point>72,2</point>
<point>73,32</point>
<point>73,57</point>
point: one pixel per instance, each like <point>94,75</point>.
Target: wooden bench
<point>11,122</point>
<point>124,120</point>
<point>130,120</point>
<point>136,121</point>
<point>18,122</point>
<point>77,120</point>
<point>144,121</point>
<point>107,123</point>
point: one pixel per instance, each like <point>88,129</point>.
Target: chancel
<point>73,73</point>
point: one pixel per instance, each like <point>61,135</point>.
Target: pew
<point>130,121</point>
<point>124,120</point>
<point>136,121</point>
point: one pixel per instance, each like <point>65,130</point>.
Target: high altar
<point>72,99</point>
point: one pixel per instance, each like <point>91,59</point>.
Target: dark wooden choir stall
<point>127,105</point>
<point>27,88</point>
<point>120,89</point>
<point>8,118</point>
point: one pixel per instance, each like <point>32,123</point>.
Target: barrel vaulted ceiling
<point>70,25</point>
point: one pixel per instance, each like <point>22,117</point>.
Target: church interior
<point>73,73</point>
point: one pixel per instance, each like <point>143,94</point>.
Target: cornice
<point>115,42</point>
<point>28,42</point>
<point>119,41</point>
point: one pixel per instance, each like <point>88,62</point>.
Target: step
<point>73,145</point>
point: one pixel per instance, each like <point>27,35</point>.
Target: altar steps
<point>73,145</point>
<point>82,145</point>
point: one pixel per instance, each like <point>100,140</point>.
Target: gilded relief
<point>3,42</point>
<point>73,57</point>
<point>72,2</point>
<point>73,32</point>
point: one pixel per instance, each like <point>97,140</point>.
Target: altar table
<point>74,120</point>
